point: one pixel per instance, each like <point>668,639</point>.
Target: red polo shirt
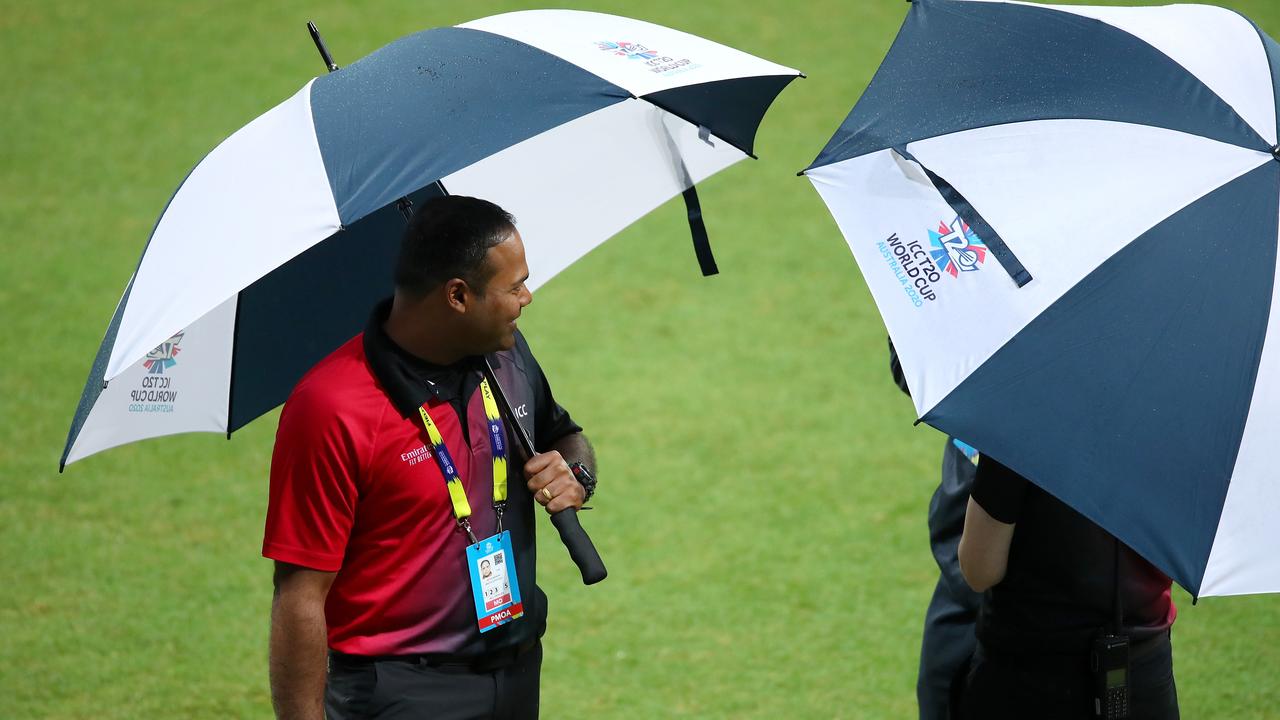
<point>355,491</point>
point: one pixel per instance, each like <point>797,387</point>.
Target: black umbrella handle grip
<point>575,539</point>
<point>579,545</point>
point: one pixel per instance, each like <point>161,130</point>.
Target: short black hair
<point>448,237</point>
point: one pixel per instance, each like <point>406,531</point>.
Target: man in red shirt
<point>388,492</point>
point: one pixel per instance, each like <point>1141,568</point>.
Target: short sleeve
<point>313,493</point>
<point>999,490</point>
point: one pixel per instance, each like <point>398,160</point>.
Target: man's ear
<point>457,294</point>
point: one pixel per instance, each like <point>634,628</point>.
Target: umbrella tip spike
<point>320,46</point>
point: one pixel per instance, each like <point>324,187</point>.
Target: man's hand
<point>552,483</point>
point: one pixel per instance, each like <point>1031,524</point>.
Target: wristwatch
<point>584,478</point>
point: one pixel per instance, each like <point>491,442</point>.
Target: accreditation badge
<point>493,581</point>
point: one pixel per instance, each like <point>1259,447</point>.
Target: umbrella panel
<point>1162,341</point>
<point>961,65</point>
<point>292,318</point>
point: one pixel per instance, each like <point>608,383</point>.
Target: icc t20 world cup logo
<point>622,48</point>
<point>957,248</point>
<point>164,356</point>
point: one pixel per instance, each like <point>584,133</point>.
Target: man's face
<point>505,295</point>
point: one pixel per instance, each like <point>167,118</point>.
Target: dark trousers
<point>945,650</point>
<point>949,637</point>
<point>400,689</point>
<point>1061,687</point>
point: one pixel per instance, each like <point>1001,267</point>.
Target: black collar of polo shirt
<point>411,381</point>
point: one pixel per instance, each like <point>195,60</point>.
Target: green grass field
<point>763,495</point>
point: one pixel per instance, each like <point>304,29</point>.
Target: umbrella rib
<point>231,381</point>
<point>970,215</point>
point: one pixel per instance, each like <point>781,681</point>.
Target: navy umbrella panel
<point>273,249</point>
<point>1068,218</point>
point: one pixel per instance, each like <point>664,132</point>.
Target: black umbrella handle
<point>578,543</point>
<point>575,539</point>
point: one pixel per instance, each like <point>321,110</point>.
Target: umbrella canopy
<point>1067,217</point>
<point>272,251</point>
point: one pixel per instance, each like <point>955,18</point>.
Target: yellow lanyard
<point>498,450</point>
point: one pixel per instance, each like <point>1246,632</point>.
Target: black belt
<point>445,662</point>
<point>1139,647</point>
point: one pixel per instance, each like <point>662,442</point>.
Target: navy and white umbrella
<point>273,249</point>
<point>1067,217</point>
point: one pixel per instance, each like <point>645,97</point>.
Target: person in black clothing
<point>948,640</point>
<point>1052,580</point>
